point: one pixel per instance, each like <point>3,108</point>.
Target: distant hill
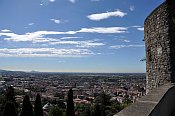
<point>8,71</point>
<point>3,70</point>
<point>34,71</point>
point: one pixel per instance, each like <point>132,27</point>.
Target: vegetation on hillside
<point>102,105</point>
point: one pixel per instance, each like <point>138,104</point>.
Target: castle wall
<point>171,10</point>
<point>160,61</point>
<point>160,46</point>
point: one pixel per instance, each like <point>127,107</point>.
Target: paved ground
<point>145,105</point>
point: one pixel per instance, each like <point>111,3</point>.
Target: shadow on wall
<point>166,106</point>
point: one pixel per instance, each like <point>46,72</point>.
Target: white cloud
<point>32,37</point>
<point>52,0</point>
<point>101,16</point>
<point>132,8</point>
<point>44,52</point>
<point>46,2</point>
<point>80,44</point>
<point>30,24</point>
<point>125,46</point>
<point>125,40</point>
<point>37,36</point>
<point>72,1</point>
<point>57,21</point>
<point>70,37</point>
<point>40,36</point>
<point>117,46</point>
<point>24,38</point>
<point>104,30</point>
<point>140,29</point>
<point>90,45</point>
<point>136,26</point>
<point>52,32</point>
<point>5,30</point>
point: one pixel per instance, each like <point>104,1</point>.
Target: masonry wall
<point>160,46</point>
<point>171,10</point>
<point>160,59</point>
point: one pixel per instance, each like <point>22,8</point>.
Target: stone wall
<point>144,106</point>
<point>160,46</point>
<point>171,10</point>
<point>159,35</point>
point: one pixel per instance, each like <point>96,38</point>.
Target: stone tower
<point>159,34</point>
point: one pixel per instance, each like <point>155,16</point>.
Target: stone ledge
<point>146,104</point>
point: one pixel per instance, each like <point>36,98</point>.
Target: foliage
<point>27,109</point>
<point>103,99</point>
<point>38,111</point>
<point>70,104</point>
<point>55,111</point>
<point>127,100</point>
<point>102,103</point>
<point>7,96</point>
<point>87,111</point>
<point>10,96</point>
<point>105,107</point>
<point>97,110</point>
<point>9,109</point>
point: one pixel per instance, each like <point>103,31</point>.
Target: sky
<point>74,35</point>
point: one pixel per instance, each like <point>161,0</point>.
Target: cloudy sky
<point>73,35</point>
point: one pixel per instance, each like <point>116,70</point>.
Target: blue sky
<point>73,35</point>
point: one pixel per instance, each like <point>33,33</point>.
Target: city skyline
<point>73,35</point>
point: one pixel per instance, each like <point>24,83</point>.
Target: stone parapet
<point>147,103</point>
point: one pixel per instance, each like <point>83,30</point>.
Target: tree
<point>103,99</point>
<point>87,111</point>
<point>127,100</point>
<point>70,104</point>
<point>27,109</point>
<point>55,111</point>
<point>9,109</point>
<point>97,110</point>
<point>38,111</point>
<point>10,96</point>
<point>102,104</point>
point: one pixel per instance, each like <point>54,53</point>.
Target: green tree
<point>127,100</point>
<point>70,104</point>
<point>55,111</point>
<point>87,111</point>
<point>103,99</point>
<point>97,110</point>
<point>7,96</point>
<point>27,109</point>
<point>10,96</point>
<point>38,111</point>
<point>9,109</point>
<point>102,103</point>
